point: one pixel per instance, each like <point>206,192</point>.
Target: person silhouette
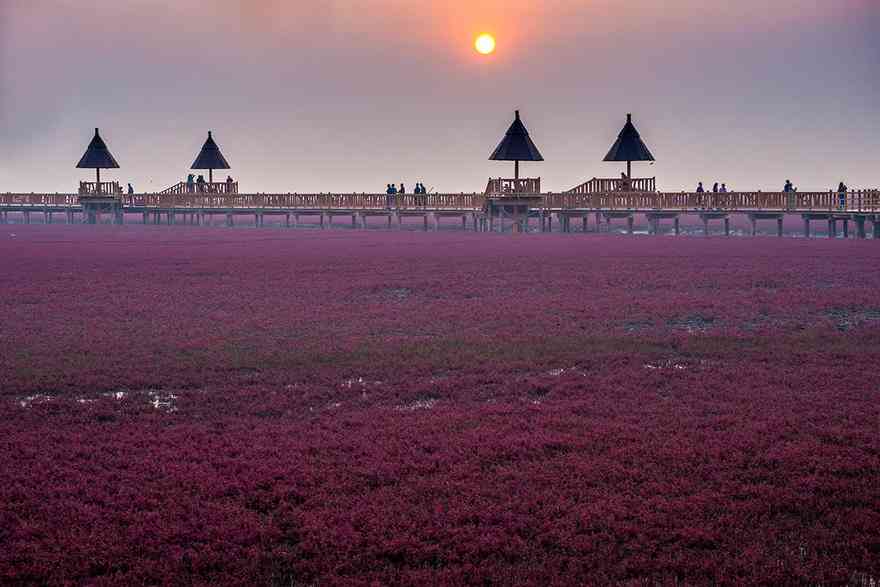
<point>402,189</point>
<point>130,190</point>
<point>723,189</point>
<point>700,189</point>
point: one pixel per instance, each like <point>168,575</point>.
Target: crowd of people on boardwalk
<point>198,185</point>
<point>391,191</point>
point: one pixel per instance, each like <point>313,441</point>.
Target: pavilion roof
<point>629,145</point>
<point>210,156</point>
<point>97,155</point>
<point>516,145</point>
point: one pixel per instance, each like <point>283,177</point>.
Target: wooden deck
<point>473,209</point>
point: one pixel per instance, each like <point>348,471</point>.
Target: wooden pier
<point>511,206</point>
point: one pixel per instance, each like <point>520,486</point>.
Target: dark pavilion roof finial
<point>629,145</point>
<point>210,156</point>
<point>516,144</point>
<point>97,155</point>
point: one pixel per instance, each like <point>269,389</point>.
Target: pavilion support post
<point>515,171</point>
<point>860,227</point>
<point>98,184</point>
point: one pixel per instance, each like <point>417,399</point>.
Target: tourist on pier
<point>723,189</point>
<point>715,188</point>
<point>402,189</point>
<point>700,188</point>
<point>130,190</point>
<point>229,184</point>
<point>841,194</point>
<point>200,184</point>
<point>389,198</point>
<point>789,187</point>
<point>190,183</point>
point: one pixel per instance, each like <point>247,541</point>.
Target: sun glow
<point>485,44</point>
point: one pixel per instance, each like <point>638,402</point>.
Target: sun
<point>485,44</point>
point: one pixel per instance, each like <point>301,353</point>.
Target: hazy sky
<point>348,95</point>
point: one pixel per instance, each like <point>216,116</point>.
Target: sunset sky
<point>348,95</point>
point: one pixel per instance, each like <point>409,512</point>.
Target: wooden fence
<point>107,188</point>
<point>529,185</point>
<point>218,187</point>
<point>866,201</point>
<point>617,184</point>
<point>310,201</point>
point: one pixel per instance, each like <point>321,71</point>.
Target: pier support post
<point>436,221</point>
<point>705,226</point>
<point>806,227</point>
<point>860,227</point>
<point>68,217</point>
<point>146,216</point>
<point>474,219</point>
<point>677,226</point>
<point>779,223</point>
<point>876,223</point>
<point>832,228</point>
<point>549,222</point>
<point>118,217</point>
<point>47,217</point>
<point>726,226</point>
<point>630,222</point>
<point>425,219</point>
<point>296,220</point>
<point>354,220</point>
<point>229,220</point>
<point>27,217</point>
<point>846,228</point>
<point>754,226</point>
<point>584,220</point>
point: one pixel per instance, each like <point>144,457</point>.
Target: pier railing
<point>616,184</point>
<point>854,201</point>
<point>105,188</point>
<point>311,201</point>
<point>218,187</point>
<point>528,185</point>
<point>860,201</point>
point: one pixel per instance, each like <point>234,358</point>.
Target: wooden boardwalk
<point>475,210</point>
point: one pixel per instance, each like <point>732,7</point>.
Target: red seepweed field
<point>242,406</point>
